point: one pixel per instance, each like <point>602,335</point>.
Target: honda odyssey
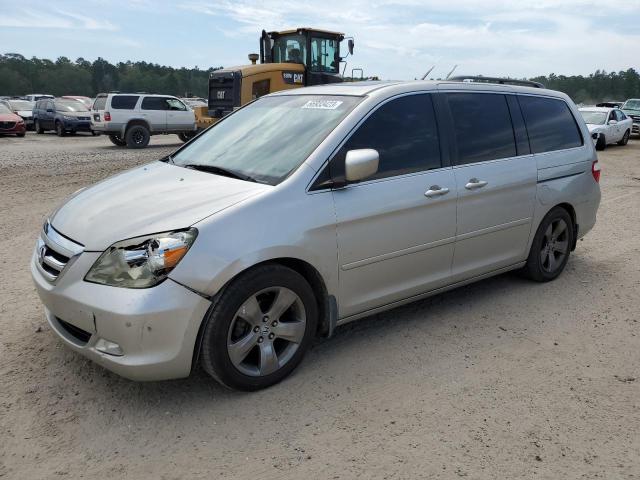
<point>310,208</point>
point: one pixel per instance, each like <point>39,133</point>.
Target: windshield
<point>70,106</point>
<point>594,118</point>
<point>633,104</point>
<point>4,108</point>
<point>21,104</point>
<point>269,138</point>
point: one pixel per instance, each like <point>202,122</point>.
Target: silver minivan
<point>310,208</point>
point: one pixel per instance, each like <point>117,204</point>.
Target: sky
<point>394,39</point>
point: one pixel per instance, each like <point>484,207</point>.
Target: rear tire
<point>601,144</point>
<point>137,136</point>
<point>259,329</point>
<point>60,131</point>
<point>117,141</point>
<point>551,246</point>
<point>38,128</point>
<point>625,138</point>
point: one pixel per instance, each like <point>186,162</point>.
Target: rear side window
<point>482,127</point>
<point>154,103</point>
<point>550,124</point>
<point>124,102</point>
<point>100,103</point>
<point>405,134</point>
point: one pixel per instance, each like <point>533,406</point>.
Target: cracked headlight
<point>141,262</point>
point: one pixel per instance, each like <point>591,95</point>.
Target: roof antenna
<point>428,72</point>
<point>452,70</point>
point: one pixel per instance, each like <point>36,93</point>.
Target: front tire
<point>137,136</point>
<point>625,138</point>
<point>259,329</point>
<point>601,144</point>
<point>185,137</point>
<point>60,131</point>
<point>551,246</point>
<point>38,127</point>
<point>117,141</point>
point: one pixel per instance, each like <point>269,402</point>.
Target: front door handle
<point>475,183</point>
<point>435,191</point>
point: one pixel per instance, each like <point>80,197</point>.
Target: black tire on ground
<point>117,141</point>
<point>551,239</point>
<point>137,136</point>
<point>94,133</point>
<point>37,127</point>
<point>186,136</point>
<point>625,138</point>
<point>21,135</point>
<point>60,131</point>
<point>601,144</point>
<point>214,353</point>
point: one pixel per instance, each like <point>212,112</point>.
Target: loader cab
<point>317,50</point>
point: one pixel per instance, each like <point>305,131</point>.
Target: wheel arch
<point>133,122</point>
<point>327,305</point>
<point>572,213</point>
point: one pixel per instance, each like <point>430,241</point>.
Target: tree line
<point>20,75</point>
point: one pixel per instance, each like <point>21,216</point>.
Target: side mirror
<point>613,122</point>
<point>361,164</point>
<point>350,45</point>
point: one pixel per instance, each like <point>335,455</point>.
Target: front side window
<point>405,134</point>
<point>324,55</point>
<point>175,104</point>
<point>268,139</point>
<point>290,49</point>
<point>482,127</point>
<point>550,124</point>
<point>620,115</point>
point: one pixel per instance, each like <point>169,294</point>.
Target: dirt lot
<point>501,379</point>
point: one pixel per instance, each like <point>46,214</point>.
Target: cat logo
<point>220,94</point>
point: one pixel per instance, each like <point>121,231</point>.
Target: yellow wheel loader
<point>288,59</point>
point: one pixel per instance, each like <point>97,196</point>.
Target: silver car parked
<point>307,209</point>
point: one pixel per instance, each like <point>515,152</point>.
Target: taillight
<point>107,117</point>
<point>595,170</point>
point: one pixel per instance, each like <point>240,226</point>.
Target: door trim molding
<point>495,228</point>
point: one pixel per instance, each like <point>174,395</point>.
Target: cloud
<point>36,18</point>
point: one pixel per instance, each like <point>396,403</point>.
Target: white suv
<point>130,119</point>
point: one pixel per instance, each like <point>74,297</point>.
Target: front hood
<point>631,111</point>
<point>9,117</point>
<point>153,198</point>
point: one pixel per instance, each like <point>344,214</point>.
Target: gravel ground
<point>500,379</point>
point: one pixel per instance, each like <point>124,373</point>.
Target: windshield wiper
<point>220,171</point>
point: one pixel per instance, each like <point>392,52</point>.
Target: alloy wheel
<point>555,245</point>
<point>266,331</point>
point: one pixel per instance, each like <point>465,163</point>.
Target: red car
<point>10,123</point>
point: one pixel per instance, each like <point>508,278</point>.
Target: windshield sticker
<point>323,104</point>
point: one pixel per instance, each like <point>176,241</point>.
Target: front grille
<point>54,251</point>
<point>75,332</point>
<point>7,125</point>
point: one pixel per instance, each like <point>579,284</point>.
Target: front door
<point>395,230</point>
<point>179,117</point>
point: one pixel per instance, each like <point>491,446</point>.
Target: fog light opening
<point>110,348</point>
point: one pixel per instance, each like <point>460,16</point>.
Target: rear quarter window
<point>550,124</point>
<point>124,102</point>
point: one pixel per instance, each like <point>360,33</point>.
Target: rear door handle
<point>435,191</point>
<point>475,183</point>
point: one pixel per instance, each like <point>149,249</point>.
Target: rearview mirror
<point>350,45</point>
<point>361,164</point>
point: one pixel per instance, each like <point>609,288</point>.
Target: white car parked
<point>131,119</point>
<point>607,125</point>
